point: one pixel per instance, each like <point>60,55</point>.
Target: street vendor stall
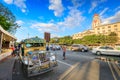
<point>5,40</point>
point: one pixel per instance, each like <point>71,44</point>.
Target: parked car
<point>57,47</point>
<point>107,50</point>
<point>79,47</point>
<point>54,47</point>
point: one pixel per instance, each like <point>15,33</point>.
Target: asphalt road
<point>77,66</point>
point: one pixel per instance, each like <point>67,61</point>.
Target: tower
<point>96,21</point>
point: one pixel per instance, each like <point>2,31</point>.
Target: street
<point>77,66</point>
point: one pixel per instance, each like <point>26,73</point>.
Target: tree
<point>112,34</point>
<point>7,19</point>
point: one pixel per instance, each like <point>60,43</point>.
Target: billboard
<point>47,36</point>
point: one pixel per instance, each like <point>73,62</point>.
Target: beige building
<point>98,28</point>
<point>82,34</point>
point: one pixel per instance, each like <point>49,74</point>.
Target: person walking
<point>64,52</point>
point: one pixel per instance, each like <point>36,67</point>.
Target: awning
<point>6,35</point>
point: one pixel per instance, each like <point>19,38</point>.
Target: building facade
<point>82,34</point>
<point>98,28</point>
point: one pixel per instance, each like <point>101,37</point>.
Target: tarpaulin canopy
<point>7,35</point>
<point>33,40</point>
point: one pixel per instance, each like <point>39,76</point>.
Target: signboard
<point>47,36</point>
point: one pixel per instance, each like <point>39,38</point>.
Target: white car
<point>105,50</point>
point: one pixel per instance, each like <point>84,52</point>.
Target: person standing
<point>22,49</point>
<point>64,52</point>
<point>13,50</point>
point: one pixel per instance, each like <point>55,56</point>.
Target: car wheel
<point>98,53</point>
<point>83,50</point>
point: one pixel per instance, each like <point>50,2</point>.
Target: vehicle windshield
<point>34,45</point>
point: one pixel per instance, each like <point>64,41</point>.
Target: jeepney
<point>37,61</point>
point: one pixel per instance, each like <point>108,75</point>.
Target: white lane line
<point>116,68</point>
<point>64,63</point>
<point>112,71</point>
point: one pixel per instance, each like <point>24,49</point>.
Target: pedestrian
<point>22,50</point>
<point>47,47</point>
<point>64,52</point>
<point>13,50</point>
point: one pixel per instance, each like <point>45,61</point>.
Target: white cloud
<point>117,8</point>
<point>111,19</point>
<point>8,1</point>
<point>57,6</point>
<point>74,19</point>
<point>19,22</point>
<point>49,27</point>
<point>95,3</point>
<point>103,11</point>
<point>77,3</point>
<point>19,3</point>
<point>55,35</point>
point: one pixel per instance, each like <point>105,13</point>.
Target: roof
<point>7,33</point>
<point>33,40</point>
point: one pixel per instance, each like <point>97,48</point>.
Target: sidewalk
<point>6,67</point>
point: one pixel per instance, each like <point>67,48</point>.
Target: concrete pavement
<point>6,68</point>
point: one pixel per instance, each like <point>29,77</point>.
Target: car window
<point>75,46</point>
<point>110,48</point>
<point>102,48</point>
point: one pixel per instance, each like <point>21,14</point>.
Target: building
<point>108,28</point>
<point>82,34</point>
<point>47,36</point>
<point>99,28</point>
<point>6,40</point>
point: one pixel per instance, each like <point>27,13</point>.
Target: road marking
<point>112,71</point>
<point>64,63</point>
<point>67,72</point>
<point>116,69</point>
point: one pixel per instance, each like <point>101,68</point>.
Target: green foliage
<point>7,19</point>
<point>89,40</point>
<point>63,40</point>
<point>97,39</point>
<point>112,34</point>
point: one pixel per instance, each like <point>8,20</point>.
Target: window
<point>110,48</point>
<point>115,25</point>
<point>109,26</point>
<point>102,48</point>
<point>34,45</point>
<point>98,28</point>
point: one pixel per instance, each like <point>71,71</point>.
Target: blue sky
<point>60,17</point>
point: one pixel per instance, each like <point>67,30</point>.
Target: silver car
<point>79,47</point>
<point>105,50</point>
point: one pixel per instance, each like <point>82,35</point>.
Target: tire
<point>98,53</point>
